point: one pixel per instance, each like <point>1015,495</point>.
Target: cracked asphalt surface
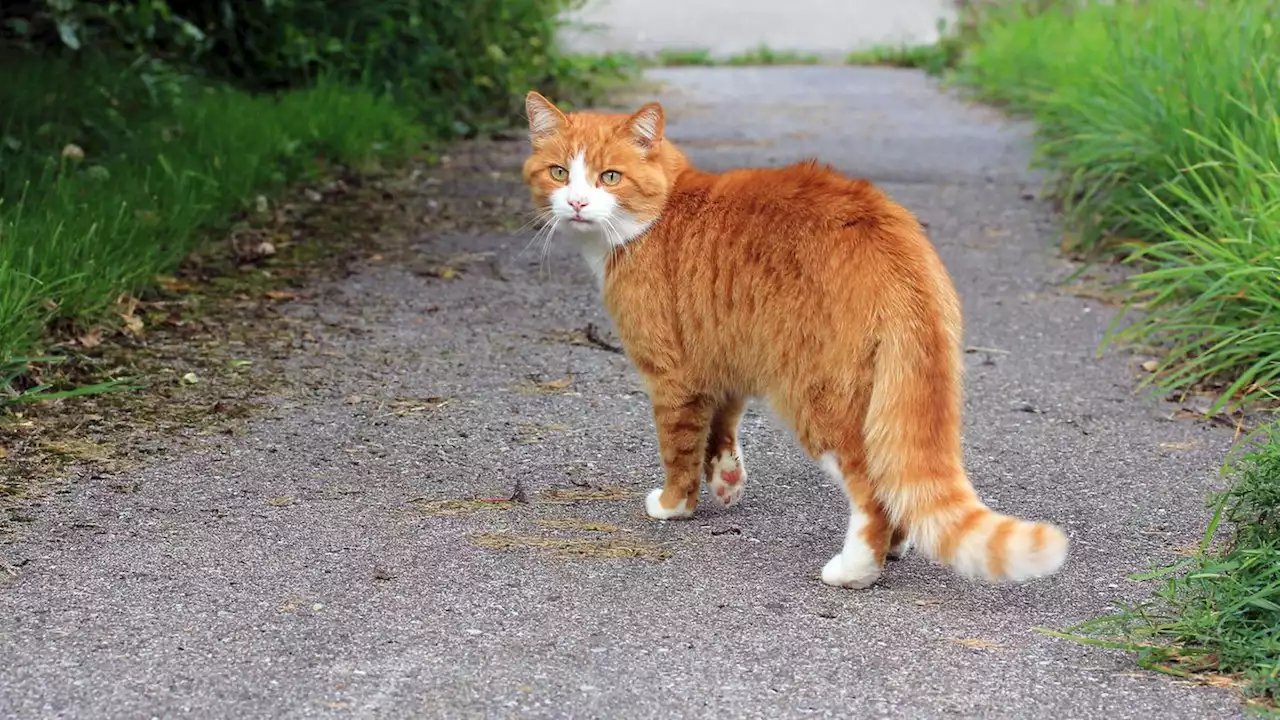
<point>299,570</point>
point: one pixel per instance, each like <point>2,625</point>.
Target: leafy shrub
<point>459,64</point>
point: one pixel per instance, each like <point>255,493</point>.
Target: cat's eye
<point>558,173</point>
<point>610,177</point>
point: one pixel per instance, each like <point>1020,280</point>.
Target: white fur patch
<point>855,566</point>
<point>582,188</point>
<point>653,507</point>
<point>973,553</point>
<point>970,558</point>
<point>604,226</point>
<point>1022,563</point>
<point>723,492</point>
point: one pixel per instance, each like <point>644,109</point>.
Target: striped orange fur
<point>798,285</point>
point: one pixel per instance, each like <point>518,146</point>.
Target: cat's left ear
<point>646,126</point>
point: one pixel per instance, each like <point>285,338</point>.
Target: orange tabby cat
<point>798,285</point>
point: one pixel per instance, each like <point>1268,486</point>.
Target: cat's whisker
<point>542,216</point>
<point>542,233</point>
<point>614,237</point>
<point>548,228</point>
<point>617,239</point>
<point>545,265</point>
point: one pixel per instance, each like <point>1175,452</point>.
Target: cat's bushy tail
<point>915,457</point>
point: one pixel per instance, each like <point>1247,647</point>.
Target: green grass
<point>763,55</point>
<point>684,58</point>
<point>1217,613</point>
<point>907,56</point>
<point>18,372</point>
<point>1160,123</point>
<point>110,176</point>
<point>935,59</point>
<point>702,57</point>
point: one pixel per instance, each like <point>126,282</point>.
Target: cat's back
<point>806,194</point>
<point>802,224</point>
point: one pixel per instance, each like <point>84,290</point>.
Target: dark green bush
<point>457,63</point>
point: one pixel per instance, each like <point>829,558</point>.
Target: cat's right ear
<point>545,119</point>
<point>647,126</point>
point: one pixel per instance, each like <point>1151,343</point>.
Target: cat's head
<point>601,173</point>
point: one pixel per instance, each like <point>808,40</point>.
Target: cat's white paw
<point>653,506</point>
<point>899,551</point>
<point>851,572</point>
<point>726,478</point>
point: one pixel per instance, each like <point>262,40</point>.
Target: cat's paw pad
<point>847,572</point>
<point>899,551</point>
<point>653,507</point>
<point>726,478</point>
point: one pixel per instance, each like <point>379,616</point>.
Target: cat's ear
<point>545,119</point>
<point>646,126</point>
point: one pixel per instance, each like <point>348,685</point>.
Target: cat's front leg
<point>682,420</point>
<point>726,475</point>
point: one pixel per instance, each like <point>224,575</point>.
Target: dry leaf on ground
<point>568,497</point>
<point>534,386</point>
<point>91,339</point>
<point>575,549</point>
<point>976,643</point>
<point>577,524</point>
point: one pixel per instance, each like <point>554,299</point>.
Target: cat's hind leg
<point>725,474</point>
<point>869,534</point>
<point>683,422</point>
<point>899,544</point>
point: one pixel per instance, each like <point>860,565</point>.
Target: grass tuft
<point>1216,617</point>
<point>934,59</point>
<point>764,55</point>
<point>20,383</point>
<point>761,55</point>
<point>1160,123</point>
<point>696,57</point>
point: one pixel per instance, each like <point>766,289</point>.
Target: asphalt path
<point>308,568</point>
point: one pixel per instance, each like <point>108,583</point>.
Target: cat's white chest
<point>595,249</point>
<point>598,243</point>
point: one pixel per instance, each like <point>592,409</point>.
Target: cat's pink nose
<point>578,204</point>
